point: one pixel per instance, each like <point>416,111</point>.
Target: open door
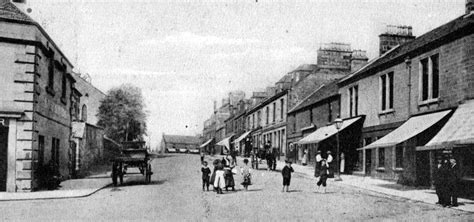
<point>3,157</point>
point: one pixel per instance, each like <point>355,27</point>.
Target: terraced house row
<point>47,112</point>
<point>400,111</point>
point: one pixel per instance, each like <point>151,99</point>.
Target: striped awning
<point>326,132</point>
<point>412,127</point>
<point>241,137</point>
<point>206,143</point>
<point>457,132</point>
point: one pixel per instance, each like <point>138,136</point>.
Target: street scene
<point>316,110</point>
<point>175,194</point>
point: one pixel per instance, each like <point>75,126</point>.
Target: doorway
<point>3,157</point>
<point>368,161</point>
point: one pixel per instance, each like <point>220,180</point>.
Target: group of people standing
<point>222,176</point>
<point>447,182</point>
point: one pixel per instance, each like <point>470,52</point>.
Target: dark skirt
<point>247,180</point>
<point>213,178</point>
<point>229,179</point>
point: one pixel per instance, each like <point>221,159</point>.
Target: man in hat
<point>286,173</point>
<point>317,166</point>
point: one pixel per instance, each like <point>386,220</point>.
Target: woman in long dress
<point>219,181</point>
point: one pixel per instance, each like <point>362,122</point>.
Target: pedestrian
<point>219,181</point>
<point>323,175</point>
<point>317,166</point>
<point>453,182</point>
<point>440,181</point>
<point>205,175</point>
<point>304,161</point>
<point>286,173</point>
<point>213,175</point>
<point>247,174</point>
<point>202,156</point>
<point>274,158</point>
<point>343,163</point>
<point>329,161</point>
<point>269,157</point>
<point>229,178</point>
<point>233,155</point>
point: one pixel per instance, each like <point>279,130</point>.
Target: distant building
<point>180,144</point>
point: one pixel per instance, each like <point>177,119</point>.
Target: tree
<point>122,115</point>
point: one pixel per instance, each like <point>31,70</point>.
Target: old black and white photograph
<point>236,110</point>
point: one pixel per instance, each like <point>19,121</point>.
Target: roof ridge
<point>307,97</point>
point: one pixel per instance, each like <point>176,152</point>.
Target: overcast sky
<point>185,54</point>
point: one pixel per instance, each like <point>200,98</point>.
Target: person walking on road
<point>247,174</point>
<point>205,175</point>
<point>329,161</point>
<point>286,173</point>
<point>323,175</point>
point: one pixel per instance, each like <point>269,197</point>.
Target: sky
<point>185,54</point>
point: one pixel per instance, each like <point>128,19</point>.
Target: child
<point>246,173</point>
<point>286,173</point>
<point>205,175</point>
<point>323,175</point>
<point>219,181</point>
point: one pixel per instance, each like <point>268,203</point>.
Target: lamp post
<point>338,123</point>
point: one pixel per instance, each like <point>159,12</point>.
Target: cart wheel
<point>121,173</point>
<point>148,174</point>
<point>114,173</point>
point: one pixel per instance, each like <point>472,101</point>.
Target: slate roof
<point>452,30</point>
<point>181,139</point>
<point>9,11</point>
<point>323,92</point>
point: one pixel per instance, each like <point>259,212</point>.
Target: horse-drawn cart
<point>133,155</point>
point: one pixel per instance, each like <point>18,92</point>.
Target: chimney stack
<point>393,36</point>
<point>469,6</point>
<point>358,60</point>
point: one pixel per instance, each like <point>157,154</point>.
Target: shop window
<point>381,158</point>
<point>429,78</point>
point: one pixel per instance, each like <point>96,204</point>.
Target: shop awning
<point>326,132</point>
<point>241,137</point>
<point>206,143</point>
<point>412,127</point>
<point>225,142</point>
<point>458,131</point>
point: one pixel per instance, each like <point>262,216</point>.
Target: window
<point>259,118</point>
<point>329,112</point>
<point>274,112</point>
<point>282,105</point>
<point>84,113</point>
<point>381,157</point>
<point>353,100</point>
<point>386,91</point>
<point>50,87</point>
<point>40,150</point>
<point>429,78</point>
<point>399,157</point>
<point>55,151</point>
<point>267,114</point>
<point>63,88</point>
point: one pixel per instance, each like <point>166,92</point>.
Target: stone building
<point>267,122</point>
<point>35,104</point>
<point>407,95</point>
<point>87,146</point>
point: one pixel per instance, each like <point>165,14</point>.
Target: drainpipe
<point>408,65</point>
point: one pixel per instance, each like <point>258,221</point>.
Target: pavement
<point>73,188</point>
<point>386,187</point>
